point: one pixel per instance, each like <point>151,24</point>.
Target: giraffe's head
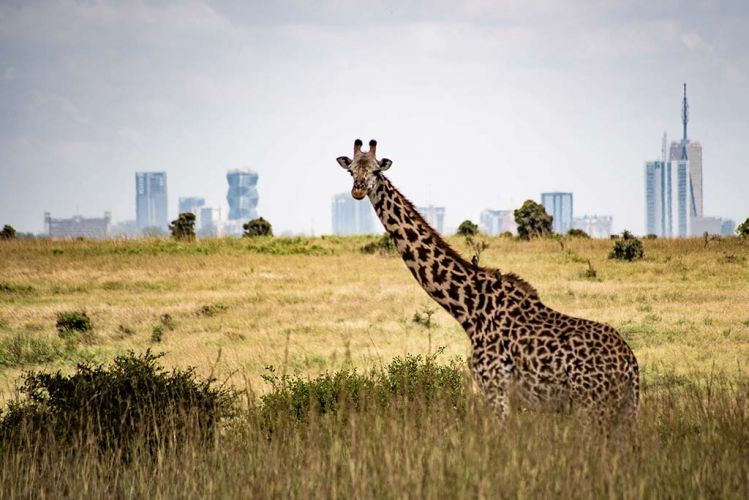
<point>363,168</point>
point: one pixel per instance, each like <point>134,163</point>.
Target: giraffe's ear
<point>384,164</point>
<point>344,161</point>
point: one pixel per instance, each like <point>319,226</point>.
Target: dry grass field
<point>312,305</point>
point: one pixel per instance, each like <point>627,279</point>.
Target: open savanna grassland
<point>316,304</point>
<point>308,306</point>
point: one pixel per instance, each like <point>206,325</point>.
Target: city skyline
<point>506,101</point>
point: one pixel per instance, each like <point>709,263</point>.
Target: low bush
<point>404,379</point>
<point>131,399</point>
<point>383,246</point>
<point>285,246</point>
<point>73,321</point>
<point>577,233</point>
<point>8,233</point>
<point>628,248</point>
<point>257,227</point>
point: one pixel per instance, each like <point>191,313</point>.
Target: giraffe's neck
<point>442,273</point>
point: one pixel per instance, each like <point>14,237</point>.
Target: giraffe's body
<point>522,350</point>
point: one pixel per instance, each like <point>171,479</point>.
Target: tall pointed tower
<point>686,160</point>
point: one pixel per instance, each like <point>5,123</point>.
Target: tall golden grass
<point>311,305</point>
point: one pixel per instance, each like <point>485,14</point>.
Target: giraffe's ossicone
<point>523,352</point>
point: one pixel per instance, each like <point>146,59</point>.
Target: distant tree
<point>628,248</point>
<point>532,221</point>
<point>505,234</point>
<point>650,236</point>
<point>467,228</point>
<point>743,229</point>
<point>257,227</point>
<point>183,227</point>
<point>577,233</point>
<point>8,232</point>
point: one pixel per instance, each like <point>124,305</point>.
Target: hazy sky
<point>480,104</point>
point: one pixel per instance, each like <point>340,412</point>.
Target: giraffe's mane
<point>511,277</point>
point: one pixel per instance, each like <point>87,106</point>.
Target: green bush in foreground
<point>133,399</point>
<point>403,380</point>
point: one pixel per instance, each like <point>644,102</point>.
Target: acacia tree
<point>257,227</point>
<point>532,220</point>
<point>183,227</point>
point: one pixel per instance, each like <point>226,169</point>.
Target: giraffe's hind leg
<point>495,389</point>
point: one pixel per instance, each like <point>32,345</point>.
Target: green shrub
<point>383,246</point>
<point>403,380</point>
<point>132,400</point>
<point>467,228</point>
<point>8,233</point>
<point>628,248</point>
<point>285,246</point>
<point>577,233</point>
<point>257,227</point>
<point>183,227</point>
<point>73,321</point>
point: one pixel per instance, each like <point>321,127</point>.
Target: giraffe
<point>522,351</point>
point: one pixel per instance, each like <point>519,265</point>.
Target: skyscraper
<point>658,207</point>
<point>242,196</point>
<point>686,158</point>
<point>151,200</point>
<point>494,222</point>
<point>559,206</point>
<point>596,226</point>
<point>191,204</point>
<point>78,227</point>
<point>352,216</point>
<point>435,216</point>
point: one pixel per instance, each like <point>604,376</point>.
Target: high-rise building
<point>494,222</point>
<point>686,157</point>
<point>435,217</point>
<point>709,225</point>
<point>352,216</point>
<point>210,223</point>
<point>596,226</point>
<point>191,204</point>
<point>242,195</point>
<point>559,206</point>
<point>728,228</point>
<point>151,200</point>
<point>658,207</point>
<point>78,227</point>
